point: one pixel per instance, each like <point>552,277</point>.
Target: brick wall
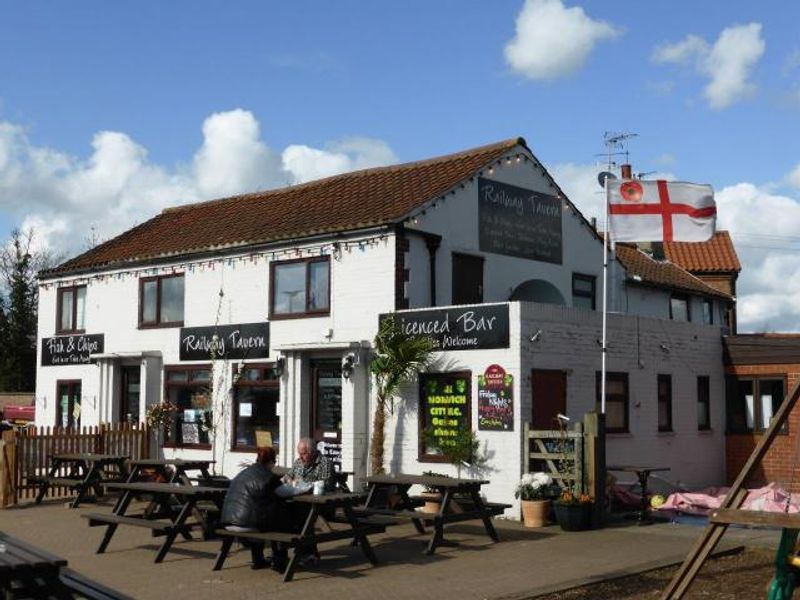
<point>782,462</point>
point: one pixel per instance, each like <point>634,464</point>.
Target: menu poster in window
<point>332,451</point>
<point>190,433</point>
<point>496,400</point>
<point>518,222</point>
<point>445,408</point>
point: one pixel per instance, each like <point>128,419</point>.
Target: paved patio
<point>525,563</point>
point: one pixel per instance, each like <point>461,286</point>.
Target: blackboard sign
<point>444,409</point>
<point>459,328</point>
<point>519,222</point>
<point>496,400</point>
<point>71,349</point>
<point>332,451</point>
<point>246,340</point>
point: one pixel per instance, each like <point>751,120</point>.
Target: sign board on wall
<point>444,408</point>
<point>496,400</point>
<point>459,328</point>
<point>71,349</point>
<point>246,340</point>
<point>519,222</point>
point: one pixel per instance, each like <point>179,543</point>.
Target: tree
<point>398,358</point>
<point>19,265</point>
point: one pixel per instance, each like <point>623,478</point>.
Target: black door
<point>68,413</point>
<point>129,398</point>
<point>549,397</point>
<point>326,409</point>
<point>467,279</point>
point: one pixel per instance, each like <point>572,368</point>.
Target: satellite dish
<point>602,176</point>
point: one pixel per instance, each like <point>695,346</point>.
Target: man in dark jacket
<point>251,504</point>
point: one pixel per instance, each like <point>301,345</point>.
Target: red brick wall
<point>784,454</point>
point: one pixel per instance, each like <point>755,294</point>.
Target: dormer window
<point>679,308</point>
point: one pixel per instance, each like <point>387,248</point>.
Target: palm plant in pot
<point>535,491</point>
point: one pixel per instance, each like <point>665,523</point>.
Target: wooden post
<point>8,469</point>
<point>526,448</point>
<point>595,461</point>
<point>577,457</point>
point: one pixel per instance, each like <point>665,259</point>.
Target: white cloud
<point>794,176</point>
<point>349,154</point>
<point>117,186</point>
<point>552,40</point>
<point>727,64</point>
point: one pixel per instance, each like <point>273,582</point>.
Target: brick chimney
<point>626,171</point>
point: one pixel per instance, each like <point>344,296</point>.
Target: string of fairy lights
<point>334,248</point>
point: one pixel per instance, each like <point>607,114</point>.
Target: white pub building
<point>254,315</point>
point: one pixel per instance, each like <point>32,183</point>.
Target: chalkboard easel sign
<point>496,400</point>
<point>444,410</point>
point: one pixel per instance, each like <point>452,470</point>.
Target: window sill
<point>666,433</point>
<point>71,332</point>
<point>160,325</point>
<point>306,315</point>
<point>247,450</point>
<point>705,431</point>
<point>187,446</point>
<point>620,434</point>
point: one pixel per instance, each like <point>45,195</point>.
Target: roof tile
<point>714,256</point>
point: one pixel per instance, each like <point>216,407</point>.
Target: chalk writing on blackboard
<point>496,400</point>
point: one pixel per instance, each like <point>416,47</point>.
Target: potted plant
<point>160,417</point>
<point>432,497</point>
<point>574,511</point>
<point>535,491</point>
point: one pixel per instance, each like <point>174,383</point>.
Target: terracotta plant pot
<point>433,502</point>
<point>535,513</point>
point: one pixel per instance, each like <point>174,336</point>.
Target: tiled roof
<point>713,256</point>
<point>352,201</point>
<point>643,269</point>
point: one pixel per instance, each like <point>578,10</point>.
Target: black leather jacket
<point>251,499</point>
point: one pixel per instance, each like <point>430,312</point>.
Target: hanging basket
<point>574,516</point>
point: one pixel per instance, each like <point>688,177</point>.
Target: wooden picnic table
<point>85,471</point>
<point>381,485</point>
<point>339,477</point>
<point>170,469</point>
<point>309,537</point>
<point>30,572</point>
<point>642,474</point>
<point>175,502</point>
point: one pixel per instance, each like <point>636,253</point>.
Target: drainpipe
<point>433,245</point>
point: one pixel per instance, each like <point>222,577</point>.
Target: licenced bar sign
<point>477,327</point>
<point>71,349</point>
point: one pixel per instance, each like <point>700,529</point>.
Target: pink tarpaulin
<point>770,498</point>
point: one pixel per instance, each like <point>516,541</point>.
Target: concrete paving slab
<point>526,562</point>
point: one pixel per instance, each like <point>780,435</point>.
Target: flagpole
<point>606,241</point>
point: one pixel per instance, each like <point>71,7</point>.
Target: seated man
<point>311,466</point>
<point>252,503</point>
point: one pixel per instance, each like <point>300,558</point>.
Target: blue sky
<point>110,111</point>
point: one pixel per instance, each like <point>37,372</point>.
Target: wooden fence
<point>574,457</point>
<point>24,455</point>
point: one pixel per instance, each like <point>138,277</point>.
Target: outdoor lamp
<point>348,364</point>
<point>280,366</point>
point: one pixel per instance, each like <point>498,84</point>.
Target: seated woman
<point>254,503</point>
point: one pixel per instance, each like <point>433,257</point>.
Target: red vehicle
<point>19,414</point>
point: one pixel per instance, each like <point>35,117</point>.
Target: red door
<point>549,397</point>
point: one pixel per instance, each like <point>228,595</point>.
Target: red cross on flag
<point>655,211</point>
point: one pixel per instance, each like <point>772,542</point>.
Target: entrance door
<point>549,397</point>
<point>326,409</point>
<point>129,396</point>
<point>68,409</point>
<point>467,279</point>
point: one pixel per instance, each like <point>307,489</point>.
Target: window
<point>708,312</point>
<point>444,411</point>
<point>189,390</point>
<point>665,403</point>
<point>583,291</point>
<point>703,403</point>
<point>752,402</point>
<point>679,308</point>
<point>616,401</point>
<point>161,301</point>
<point>68,404</point>
<point>71,309</point>
<point>300,288</point>
<point>255,408</point>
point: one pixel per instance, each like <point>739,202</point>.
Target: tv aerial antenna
<point>616,145</point>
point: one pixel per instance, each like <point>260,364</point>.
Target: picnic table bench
<point>308,536</point>
<point>174,502</point>
<point>171,470</point>
<point>376,510</point>
<point>85,472</point>
<point>30,572</point>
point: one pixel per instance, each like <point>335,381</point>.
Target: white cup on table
<point>319,488</point>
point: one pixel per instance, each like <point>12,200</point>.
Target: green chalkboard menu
<point>444,409</point>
